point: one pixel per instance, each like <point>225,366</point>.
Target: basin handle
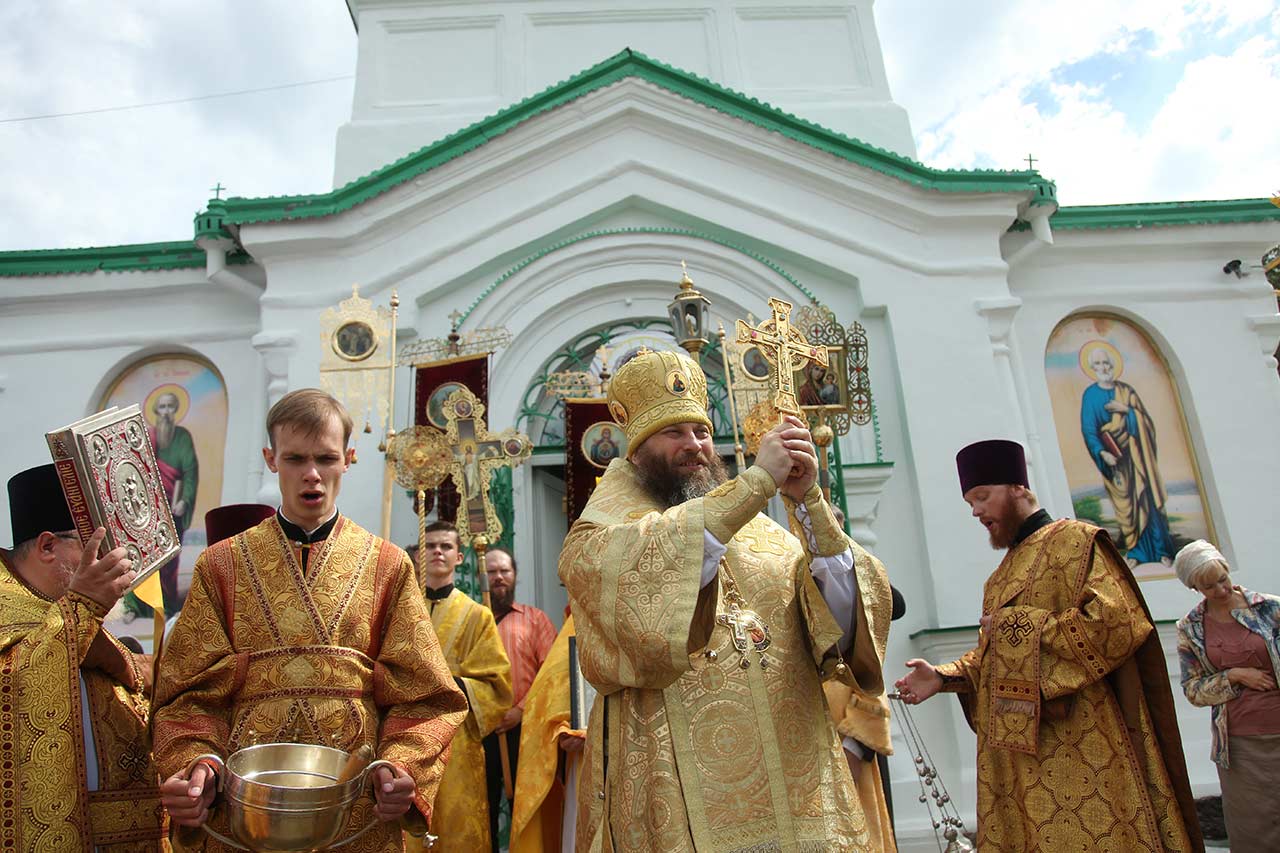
<point>188,836</point>
<point>368,775</point>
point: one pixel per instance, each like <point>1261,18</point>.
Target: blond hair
<point>309,410</point>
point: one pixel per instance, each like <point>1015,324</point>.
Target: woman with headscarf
<point>1229,648</point>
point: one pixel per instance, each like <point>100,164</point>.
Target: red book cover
<point>111,478</point>
<point>1109,444</point>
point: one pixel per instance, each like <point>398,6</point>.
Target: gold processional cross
<point>475,454</point>
<point>786,350</point>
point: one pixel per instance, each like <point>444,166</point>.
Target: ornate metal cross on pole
<point>475,453</point>
<point>786,350</point>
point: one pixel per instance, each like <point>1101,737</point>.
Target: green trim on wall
<point>178,254</point>
<point>630,63</point>
<point>1160,214</point>
<point>928,632</point>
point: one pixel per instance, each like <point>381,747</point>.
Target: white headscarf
<point>1192,557</point>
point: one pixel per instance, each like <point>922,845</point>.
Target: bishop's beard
<point>663,480</point>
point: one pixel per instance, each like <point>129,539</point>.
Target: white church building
<point>546,165</point>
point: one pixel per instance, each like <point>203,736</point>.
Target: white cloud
<point>1208,139</point>
<point>962,68</point>
<point>140,175</point>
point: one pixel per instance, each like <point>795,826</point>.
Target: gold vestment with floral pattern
<point>341,655</point>
<point>45,804</point>
<point>703,753</point>
<point>1078,745</point>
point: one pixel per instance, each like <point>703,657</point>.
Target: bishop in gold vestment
<point>75,755</point>
<point>342,654</point>
<point>693,744</point>
<point>1068,691</point>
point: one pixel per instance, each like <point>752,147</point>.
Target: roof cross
<point>1031,162</point>
<point>217,190</point>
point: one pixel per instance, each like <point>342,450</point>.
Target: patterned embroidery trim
<point>353,581</point>
<point>94,607</point>
<point>222,567</point>
<point>73,726</point>
<point>255,582</point>
<point>1081,648</point>
<point>305,693</point>
<point>318,651</point>
<point>9,803</point>
<point>390,558</point>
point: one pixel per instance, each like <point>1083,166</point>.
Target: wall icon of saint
<point>1121,437</point>
<point>1125,444</point>
<point>184,402</point>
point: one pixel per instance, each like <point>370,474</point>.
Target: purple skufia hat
<point>996,462</point>
<point>223,522</point>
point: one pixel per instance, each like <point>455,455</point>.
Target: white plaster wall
<point>425,69</point>
<point>1217,333</point>
<point>64,338</point>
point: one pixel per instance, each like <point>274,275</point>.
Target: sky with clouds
<point>1145,100</point>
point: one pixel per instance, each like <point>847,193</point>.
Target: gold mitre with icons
<point>654,390</point>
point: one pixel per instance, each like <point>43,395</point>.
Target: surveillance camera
<point>1233,266</point>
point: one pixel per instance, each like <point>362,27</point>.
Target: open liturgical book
<point>111,479</point>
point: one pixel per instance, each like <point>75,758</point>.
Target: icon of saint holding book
<point>1121,437</point>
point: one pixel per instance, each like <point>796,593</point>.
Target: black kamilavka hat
<point>36,504</point>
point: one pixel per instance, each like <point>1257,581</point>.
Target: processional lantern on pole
<point>358,368</point>
<point>690,314</point>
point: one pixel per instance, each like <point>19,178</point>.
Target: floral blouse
<point>1205,685</point>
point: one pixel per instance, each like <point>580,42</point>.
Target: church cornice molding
<point>171,255</point>
<point>632,64</point>
<point>1159,214</point>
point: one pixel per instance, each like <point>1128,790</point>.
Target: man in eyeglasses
<point>70,693</point>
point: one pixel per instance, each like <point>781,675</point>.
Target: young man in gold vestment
<point>1078,746</point>
<point>708,629</point>
<point>542,814</point>
<point>476,658</point>
<point>306,628</point>
<point>75,755</point>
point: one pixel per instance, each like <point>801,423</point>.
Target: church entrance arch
<point>561,304</point>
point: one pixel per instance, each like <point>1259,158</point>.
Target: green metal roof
<point>179,254</point>
<point>630,63</point>
<point>1160,214</point>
